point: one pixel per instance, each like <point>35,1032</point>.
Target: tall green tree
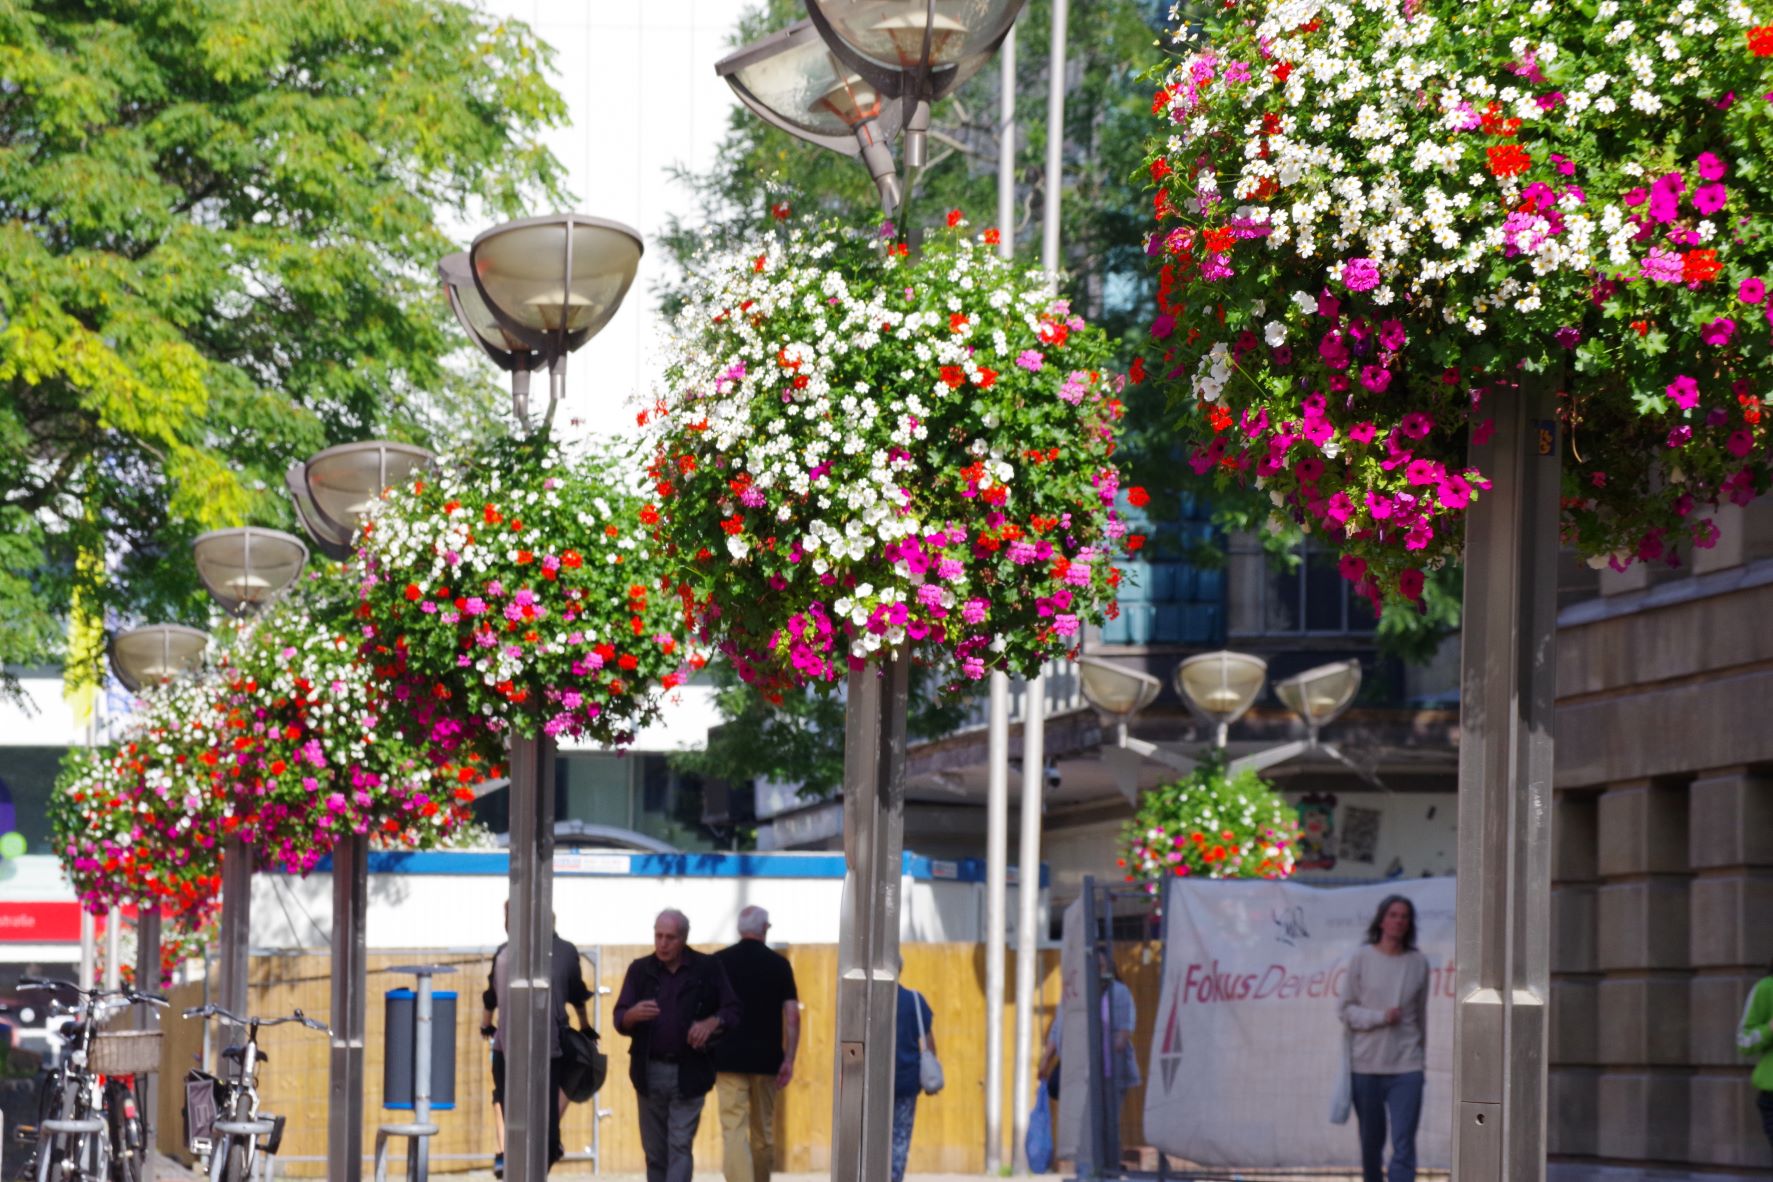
<point>218,223</point>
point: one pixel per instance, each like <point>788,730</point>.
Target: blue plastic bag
<point>1039,1142</point>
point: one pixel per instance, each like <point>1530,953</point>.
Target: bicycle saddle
<point>237,1053</point>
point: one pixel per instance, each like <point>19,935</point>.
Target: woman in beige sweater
<point>1384,1004</point>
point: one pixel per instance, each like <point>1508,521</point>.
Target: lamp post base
<point>1505,788</point>
<point>868,939</point>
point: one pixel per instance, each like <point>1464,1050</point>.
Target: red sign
<point>39,923</point>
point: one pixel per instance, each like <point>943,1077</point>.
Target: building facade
<point>1663,864</point>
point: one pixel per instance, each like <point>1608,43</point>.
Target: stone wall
<point>1662,870</point>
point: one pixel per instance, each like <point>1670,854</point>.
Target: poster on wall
<point>1248,1043</point>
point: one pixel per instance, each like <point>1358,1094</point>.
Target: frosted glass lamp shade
<point>910,36</point>
<point>1221,685</point>
<point>156,653</point>
<point>477,320</point>
<point>552,282</point>
<point>1319,695</point>
<point>793,80</point>
<point>1114,689</point>
<point>245,568</point>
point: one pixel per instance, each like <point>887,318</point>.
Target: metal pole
<point>1034,713</point>
<point>1028,902</point>
<point>868,933</point>
<point>147,980</point>
<point>88,948</point>
<point>236,924</point>
<point>418,1163</point>
<point>1505,788</point>
<point>114,948</point>
<point>1096,1101</point>
<point>529,1025</point>
<point>997,800</point>
<point>1050,259</point>
<point>350,992</point>
<point>997,840</point>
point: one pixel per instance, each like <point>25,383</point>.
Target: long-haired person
<point>1384,1004</point>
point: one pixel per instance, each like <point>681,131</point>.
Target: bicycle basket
<point>125,1052</point>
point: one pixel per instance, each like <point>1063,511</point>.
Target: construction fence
<point>603,1136</point>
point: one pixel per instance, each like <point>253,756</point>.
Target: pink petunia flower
<point>1710,198</point>
<point>1751,291</point>
<point>1710,167</point>
<point>1718,332</point>
<point>1684,391</point>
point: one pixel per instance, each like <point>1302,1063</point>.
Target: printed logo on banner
<point>1169,1053</point>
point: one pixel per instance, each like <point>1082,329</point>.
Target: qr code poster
<point>1360,834</point>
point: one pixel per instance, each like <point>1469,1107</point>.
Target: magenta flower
<point>1740,443</point>
<point>1409,584</point>
<point>1710,198</point>
<point>1680,435</point>
<point>1352,567</point>
<point>1380,507</point>
<point>1309,470</point>
<point>1685,393</point>
<point>1032,360</point>
<point>1416,425</point>
<point>1718,332</point>
<point>1392,336</point>
<point>1751,291</point>
<point>1455,492</point>
<point>1662,266</point>
<point>1665,196</point>
<point>1568,336</point>
<point>1375,378</point>
<point>1636,197</point>
<point>1363,432</point>
<point>1360,274</point>
<point>1710,167</point>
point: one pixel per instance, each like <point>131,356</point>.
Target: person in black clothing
<point>566,987</point>
<point>755,1061</point>
<point>673,1005</point>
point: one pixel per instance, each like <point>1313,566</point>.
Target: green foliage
<point>800,739</point>
<point>218,220</point>
<point>1209,825</point>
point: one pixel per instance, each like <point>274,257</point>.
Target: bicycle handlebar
<point>211,1010</point>
<point>95,995</point>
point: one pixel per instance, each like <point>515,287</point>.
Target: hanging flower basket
<point>1209,825</point>
<point>520,590</point>
<point>310,755</point>
<point>860,452</point>
<point>137,823</point>
<point>1375,220</point>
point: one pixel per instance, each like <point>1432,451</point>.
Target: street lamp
<point>1320,695</point>
<point>914,50</point>
<point>245,568</point>
<point>1221,686</point>
<point>550,284</point>
<point>792,80</point>
<point>156,653</point>
<point>336,489</point>
<point>531,292</point>
<point>334,492</point>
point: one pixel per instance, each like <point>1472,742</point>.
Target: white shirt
<point>1374,983</point>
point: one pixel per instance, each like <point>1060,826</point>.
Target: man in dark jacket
<point>566,988</point>
<point>673,1005</point>
<point>755,1061</point>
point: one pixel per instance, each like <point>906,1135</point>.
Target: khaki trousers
<point>747,1125</point>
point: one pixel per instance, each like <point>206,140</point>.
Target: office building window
<point>1301,595</point>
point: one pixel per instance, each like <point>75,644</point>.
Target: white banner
<point>1248,1043</point>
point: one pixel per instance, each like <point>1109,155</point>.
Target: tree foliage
<point>218,222</point>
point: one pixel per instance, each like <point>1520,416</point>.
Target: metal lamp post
<point>792,80</point>
<point>243,569</point>
<point>533,291</point>
<point>333,492</point>
<point>146,656</point>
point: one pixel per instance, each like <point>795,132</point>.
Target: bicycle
<point>229,1146</point>
<point>89,1126</point>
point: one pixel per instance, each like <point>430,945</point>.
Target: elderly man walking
<point>755,1061</point>
<point>674,1004</point>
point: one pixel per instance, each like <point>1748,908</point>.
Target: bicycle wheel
<point>239,1160</point>
<point>124,1123</point>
